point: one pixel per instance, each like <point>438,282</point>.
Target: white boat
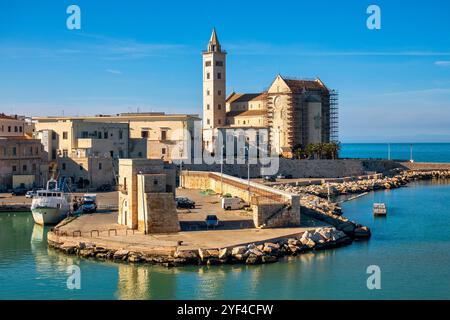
<point>379,209</point>
<point>51,205</point>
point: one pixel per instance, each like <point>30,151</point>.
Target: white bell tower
<point>214,90</point>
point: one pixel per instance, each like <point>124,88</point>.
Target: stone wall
<point>271,207</point>
<point>159,214</point>
<point>423,166</point>
<point>304,168</point>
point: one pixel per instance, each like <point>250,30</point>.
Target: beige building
<point>22,159</point>
<point>86,149</point>
<point>82,149</point>
<point>294,112</point>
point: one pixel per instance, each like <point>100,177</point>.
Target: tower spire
<point>214,45</point>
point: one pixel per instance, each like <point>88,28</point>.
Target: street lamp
<point>248,172</point>
<point>221,171</point>
<point>181,168</point>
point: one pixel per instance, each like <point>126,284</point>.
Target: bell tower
<point>214,90</point>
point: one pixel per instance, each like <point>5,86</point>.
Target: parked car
<point>30,194</point>
<point>89,204</point>
<point>232,203</point>
<point>284,176</point>
<point>184,203</point>
<point>19,191</point>
<point>212,221</point>
<point>269,179</point>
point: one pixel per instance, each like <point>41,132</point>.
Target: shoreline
<point>341,233</point>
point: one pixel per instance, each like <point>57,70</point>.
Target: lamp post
<point>181,168</point>
<point>221,171</point>
<point>248,172</point>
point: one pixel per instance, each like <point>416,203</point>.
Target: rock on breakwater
<point>250,254</point>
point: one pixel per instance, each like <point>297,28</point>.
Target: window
<point>111,153</point>
<point>208,76</point>
<point>219,63</point>
<point>155,182</point>
<point>9,128</point>
<point>16,129</point>
<point>207,92</point>
<point>207,121</point>
<point>14,168</point>
<point>140,154</point>
<point>20,129</point>
<point>144,134</point>
<point>65,134</point>
<point>53,154</point>
<point>63,166</point>
<point>24,168</point>
<point>219,106</point>
<point>219,92</point>
<point>105,135</point>
<point>219,75</point>
<point>99,166</point>
<point>207,63</point>
<point>163,135</point>
<point>120,134</point>
<point>163,151</point>
<point>65,153</point>
<point>14,151</point>
<point>207,107</point>
<point>219,121</point>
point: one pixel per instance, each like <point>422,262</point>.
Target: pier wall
<point>305,168</point>
<point>271,208</point>
<point>424,166</point>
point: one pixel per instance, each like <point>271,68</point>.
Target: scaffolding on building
<point>334,116</point>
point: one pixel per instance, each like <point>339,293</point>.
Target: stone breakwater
<point>314,201</point>
<point>251,254</point>
<point>368,185</point>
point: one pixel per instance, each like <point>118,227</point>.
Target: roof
<point>298,86</point>
<point>247,113</point>
<point>124,117</point>
<point>246,97</point>
<point>4,116</point>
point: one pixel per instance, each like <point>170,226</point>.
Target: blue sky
<point>394,83</point>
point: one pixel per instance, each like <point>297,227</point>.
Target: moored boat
<point>51,205</point>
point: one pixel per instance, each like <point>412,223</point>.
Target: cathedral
<point>295,112</point>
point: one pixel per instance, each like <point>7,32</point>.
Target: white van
<point>233,203</point>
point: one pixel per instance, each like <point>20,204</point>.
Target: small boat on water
<point>379,209</point>
<point>50,206</point>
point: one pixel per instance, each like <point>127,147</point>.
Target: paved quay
<point>115,236</point>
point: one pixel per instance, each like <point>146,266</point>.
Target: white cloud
<point>113,71</point>
<point>442,63</point>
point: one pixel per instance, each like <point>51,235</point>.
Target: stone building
<point>147,196</point>
<point>295,112</point>
<point>87,148</point>
<point>82,150</point>
<point>22,158</point>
